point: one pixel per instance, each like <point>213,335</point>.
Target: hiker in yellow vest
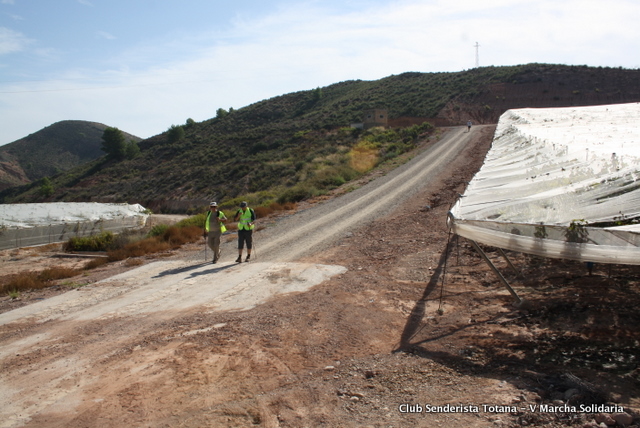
<point>214,228</point>
<point>246,218</point>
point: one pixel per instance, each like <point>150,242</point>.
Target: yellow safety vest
<point>246,217</point>
<point>221,216</point>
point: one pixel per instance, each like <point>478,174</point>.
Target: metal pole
<point>504,255</point>
<point>204,234</point>
<point>497,272</point>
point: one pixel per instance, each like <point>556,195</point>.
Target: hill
<point>50,151</point>
<point>301,144</point>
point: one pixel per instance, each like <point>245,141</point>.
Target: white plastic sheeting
<point>560,183</point>
<point>23,225</point>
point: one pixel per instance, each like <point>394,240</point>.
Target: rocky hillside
<point>50,151</point>
<point>301,144</point>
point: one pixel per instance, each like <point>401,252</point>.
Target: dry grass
<point>36,280</point>
<point>262,212</point>
<point>97,262</point>
<point>56,273</point>
<point>178,236</point>
<point>48,248</point>
<point>172,238</point>
<point>138,249</point>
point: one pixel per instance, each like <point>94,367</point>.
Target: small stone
<point>623,419</point>
<point>329,368</point>
<point>603,418</point>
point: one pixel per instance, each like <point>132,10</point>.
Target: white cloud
<point>105,35</point>
<point>14,16</point>
<point>12,41</point>
<point>303,46</point>
<point>85,2</point>
<point>7,2</point>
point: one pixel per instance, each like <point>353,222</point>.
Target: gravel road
<point>318,227</point>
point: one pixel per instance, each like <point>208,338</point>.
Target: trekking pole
<point>255,253</point>
<point>253,239</point>
<point>204,234</point>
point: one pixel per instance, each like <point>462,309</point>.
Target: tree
<point>46,188</point>
<point>133,149</point>
<point>317,94</point>
<point>175,133</point>
<point>113,143</point>
<point>220,113</point>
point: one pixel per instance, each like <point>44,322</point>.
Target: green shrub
<point>101,242</point>
<point>196,220</point>
<point>157,230</point>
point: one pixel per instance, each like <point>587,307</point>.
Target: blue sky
<point>143,65</point>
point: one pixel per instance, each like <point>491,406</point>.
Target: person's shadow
<point>184,269</point>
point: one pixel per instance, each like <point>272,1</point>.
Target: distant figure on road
<point>214,228</point>
<point>246,218</point>
<point>469,126</point>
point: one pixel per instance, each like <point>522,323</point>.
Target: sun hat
<point>213,204</point>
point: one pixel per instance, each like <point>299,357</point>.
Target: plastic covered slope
<point>24,225</point>
<point>559,183</point>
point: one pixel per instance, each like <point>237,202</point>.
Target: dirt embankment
<point>407,330</point>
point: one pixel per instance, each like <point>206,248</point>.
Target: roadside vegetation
<point>128,245</point>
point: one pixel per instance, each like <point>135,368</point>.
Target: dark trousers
<point>245,236</point>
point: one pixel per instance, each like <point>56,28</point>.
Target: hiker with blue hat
<point>246,218</point>
<point>214,228</point>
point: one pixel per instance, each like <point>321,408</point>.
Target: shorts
<point>245,235</point>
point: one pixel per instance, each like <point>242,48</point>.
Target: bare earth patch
<point>407,330</point>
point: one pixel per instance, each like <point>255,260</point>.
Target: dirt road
<point>337,323</point>
<point>318,227</point>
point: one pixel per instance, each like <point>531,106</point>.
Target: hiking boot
<point>239,259</point>
<point>248,257</point>
<point>214,261</point>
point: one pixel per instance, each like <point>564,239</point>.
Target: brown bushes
<point>178,236</point>
<point>55,273</point>
<point>36,280</point>
<point>172,238</point>
<point>138,249</point>
<point>262,212</point>
<point>100,261</point>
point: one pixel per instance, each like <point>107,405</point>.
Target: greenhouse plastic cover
<point>559,183</point>
<point>31,215</point>
<point>23,225</point>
